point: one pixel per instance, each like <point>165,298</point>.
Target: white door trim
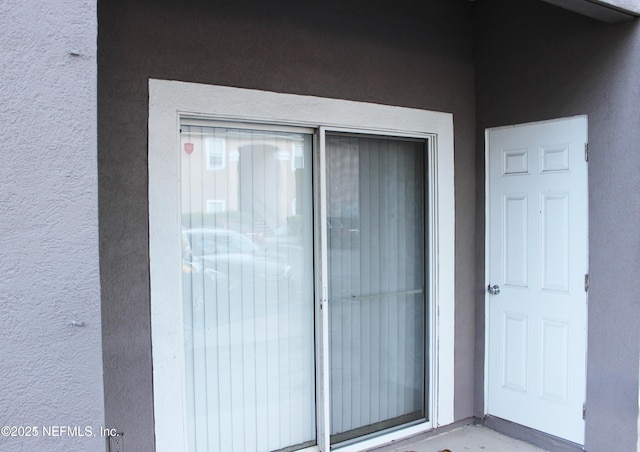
<point>168,100</point>
<point>487,280</point>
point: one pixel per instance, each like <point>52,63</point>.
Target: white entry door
<point>537,266</point>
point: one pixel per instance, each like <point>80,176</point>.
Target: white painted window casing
<point>171,100</point>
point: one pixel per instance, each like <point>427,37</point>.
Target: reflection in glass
<point>375,197</point>
<point>248,288</point>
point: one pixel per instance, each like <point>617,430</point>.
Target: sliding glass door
<point>376,273</point>
<point>250,256</point>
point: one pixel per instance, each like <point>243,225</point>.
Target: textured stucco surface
<point>407,53</point>
<point>50,370</point>
<point>579,66</point>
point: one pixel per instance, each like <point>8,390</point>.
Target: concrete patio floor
<point>470,438</point>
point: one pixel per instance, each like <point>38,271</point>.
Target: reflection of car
<point>207,242</point>
<point>232,254</point>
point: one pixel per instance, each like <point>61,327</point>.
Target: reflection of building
<point>246,180</point>
<point>344,167</point>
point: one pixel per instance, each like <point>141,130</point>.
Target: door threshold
<point>383,439</point>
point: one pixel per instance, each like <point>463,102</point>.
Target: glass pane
<point>375,195</point>
<point>248,289</point>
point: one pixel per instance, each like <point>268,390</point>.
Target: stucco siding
<point>51,366</point>
<point>413,54</point>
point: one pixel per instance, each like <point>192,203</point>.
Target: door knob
<point>493,290</point>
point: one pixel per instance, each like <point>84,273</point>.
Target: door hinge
<point>586,152</point>
<point>584,411</point>
<point>586,282</point>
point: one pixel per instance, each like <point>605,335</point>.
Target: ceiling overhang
<point>611,11</point>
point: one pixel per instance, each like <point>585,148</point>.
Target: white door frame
<point>168,102</point>
<point>487,280</point>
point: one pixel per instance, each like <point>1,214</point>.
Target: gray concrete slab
<point>470,438</point>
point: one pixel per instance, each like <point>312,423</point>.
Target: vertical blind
<point>375,196</point>
<point>248,289</point>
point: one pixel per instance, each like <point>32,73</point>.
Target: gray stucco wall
<point>51,366</point>
<point>538,62</point>
<point>407,53</point>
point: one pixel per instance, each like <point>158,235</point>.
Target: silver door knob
<point>493,290</point>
